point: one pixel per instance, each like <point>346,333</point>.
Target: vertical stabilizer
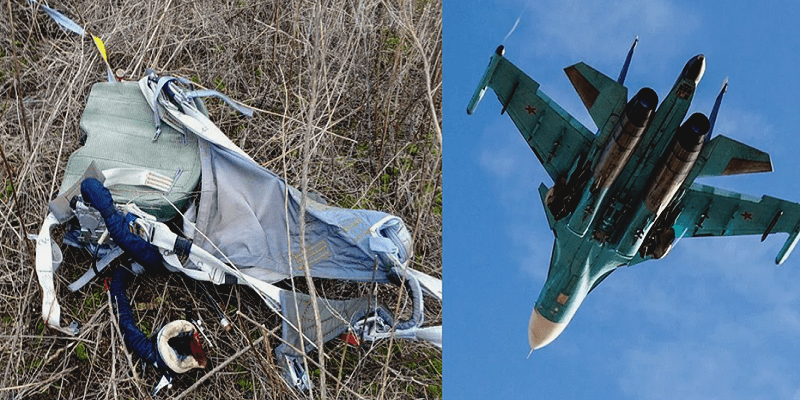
<point>715,110</point>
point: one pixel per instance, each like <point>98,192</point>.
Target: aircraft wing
<point>709,211</point>
<point>554,135</point>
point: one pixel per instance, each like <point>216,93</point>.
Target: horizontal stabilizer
<point>725,156</point>
<point>601,95</point>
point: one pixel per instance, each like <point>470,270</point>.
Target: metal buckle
<point>373,328</point>
<point>298,375</point>
<point>165,381</point>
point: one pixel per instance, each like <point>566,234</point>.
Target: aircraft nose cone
<point>695,68</point>
<point>542,331</point>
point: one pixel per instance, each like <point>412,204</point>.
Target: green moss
<point>421,4</point>
<point>35,364</point>
<point>8,190</point>
<point>145,327</point>
<point>245,384</point>
<point>363,149</point>
<point>437,204</point>
<point>435,391</point>
<point>348,201</point>
<point>437,365</point>
<point>80,352</point>
<point>218,84</point>
<point>392,42</point>
<point>96,299</point>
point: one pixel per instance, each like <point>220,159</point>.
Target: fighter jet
<point>624,195</point>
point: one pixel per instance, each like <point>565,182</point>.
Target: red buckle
<point>351,339</point>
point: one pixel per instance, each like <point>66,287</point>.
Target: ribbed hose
<point>136,341</point>
<point>144,253</point>
<point>415,292</point>
<point>100,198</point>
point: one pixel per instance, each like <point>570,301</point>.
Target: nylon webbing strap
<point>71,26</point>
<point>247,111</point>
<point>335,315</point>
<point>112,255</point>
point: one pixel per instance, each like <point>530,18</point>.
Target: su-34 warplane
<point>624,195</point>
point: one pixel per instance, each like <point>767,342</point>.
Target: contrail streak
<point>515,24</point>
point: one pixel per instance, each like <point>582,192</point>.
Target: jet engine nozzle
<point>642,106</point>
<point>693,131</point>
<point>694,69</point>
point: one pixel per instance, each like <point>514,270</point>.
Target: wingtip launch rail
<point>487,76</point>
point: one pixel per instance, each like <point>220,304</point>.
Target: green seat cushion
<point>119,128</point>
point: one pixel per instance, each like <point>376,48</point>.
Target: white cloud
<point>603,31</point>
<point>702,368</point>
<point>516,175</point>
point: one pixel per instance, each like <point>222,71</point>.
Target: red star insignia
<point>747,216</point>
<point>530,110</point>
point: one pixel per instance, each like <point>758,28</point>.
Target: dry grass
<point>350,94</point>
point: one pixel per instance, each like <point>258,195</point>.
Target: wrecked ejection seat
<point>153,146</point>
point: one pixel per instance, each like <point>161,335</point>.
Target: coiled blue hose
<point>100,198</point>
<point>144,253</point>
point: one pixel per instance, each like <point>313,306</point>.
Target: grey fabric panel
<point>335,316</point>
<point>119,127</point>
<point>242,211</point>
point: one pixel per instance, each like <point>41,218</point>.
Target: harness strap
<point>431,334</point>
<point>70,25</point>
<point>208,267</point>
<point>157,92</point>
<point>48,259</point>
<point>213,93</point>
<point>90,273</point>
<point>430,285</point>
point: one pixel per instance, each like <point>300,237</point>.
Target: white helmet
<point>178,344</point>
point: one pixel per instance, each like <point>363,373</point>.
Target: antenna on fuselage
<point>624,72</point>
<point>713,118</point>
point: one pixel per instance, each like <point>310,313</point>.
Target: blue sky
<point>716,319</point>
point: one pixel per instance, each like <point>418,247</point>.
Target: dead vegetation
<point>349,94</point>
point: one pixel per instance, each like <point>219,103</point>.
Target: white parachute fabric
<point>248,215</point>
